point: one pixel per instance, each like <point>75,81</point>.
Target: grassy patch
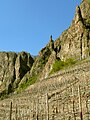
<point>58,65</point>
<point>89,2</point>
<point>30,81</point>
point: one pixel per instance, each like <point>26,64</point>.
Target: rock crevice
<point>13,67</point>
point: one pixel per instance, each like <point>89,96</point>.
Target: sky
<point>26,25</point>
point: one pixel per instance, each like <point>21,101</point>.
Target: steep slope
<point>73,43</point>
<point>34,75</point>
<point>58,97</point>
<point>64,95</point>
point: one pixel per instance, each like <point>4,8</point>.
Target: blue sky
<point>26,25</point>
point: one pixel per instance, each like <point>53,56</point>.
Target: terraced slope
<point>63,96</point>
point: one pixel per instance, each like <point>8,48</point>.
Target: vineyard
<point>62,96</point>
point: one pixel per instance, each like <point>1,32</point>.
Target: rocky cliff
<point>20,70</point>
<point>72,43</point>
<point>13,66</point>
<point>75,41</point>
<point>64,95</point>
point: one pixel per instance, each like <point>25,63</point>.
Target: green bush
<point>31,81</point>
<point>58,65</point>
<point>70,61</point>
<point>89,2</point>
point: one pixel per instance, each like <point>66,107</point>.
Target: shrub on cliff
<point>58,65</point>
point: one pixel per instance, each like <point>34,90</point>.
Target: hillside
<point>55,85</point>
<point>72,45</point>
<point>61,96</point>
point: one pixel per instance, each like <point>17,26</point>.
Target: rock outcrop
<point>75,41</point>
<point>72,43</point>
<point>13,66</point>
<point>62,95</point>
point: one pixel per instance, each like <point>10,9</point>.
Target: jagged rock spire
<point>51,38</point>
<point>78,15</point>
<point>83,13</point>
<point>51,43</point>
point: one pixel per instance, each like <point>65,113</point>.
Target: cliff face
<point>13,67</point>
<point>72,43</point>
<point>75,41</point>
<point>63,95</point>
<point>17,69</point>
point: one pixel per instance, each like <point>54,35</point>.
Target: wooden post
<point>29,114</point>
<point>67,104</point>
<point>37,110</point>
<point>74,110</point>
<point>33,109</point>
<point>73,104</point>
<point>16,112</point>
<point>80,103</point>
<point>19,114</point>
<point>4,114</point>
<point>63,112</point>
<point>11,111</point>
<point>56,98</point>
<point>87,108</point>
<point>47,107</point>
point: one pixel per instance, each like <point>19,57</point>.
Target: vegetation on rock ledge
<point>58,65</point>
<point>24,85</point>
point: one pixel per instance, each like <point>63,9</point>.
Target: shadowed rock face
<point>13,67</point>
<point>85,12</point>
<point>75,41</point>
